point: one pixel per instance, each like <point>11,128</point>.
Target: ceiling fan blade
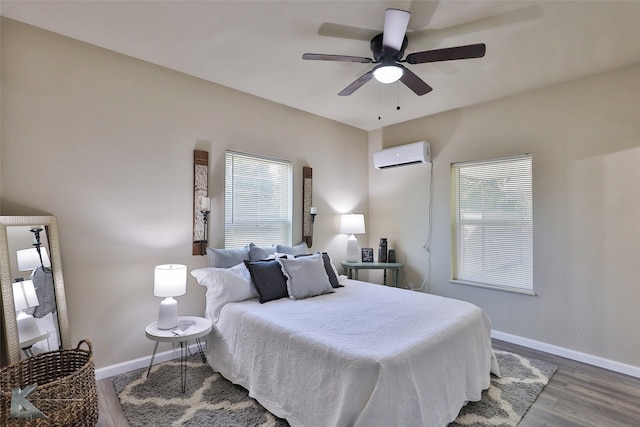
<point>346,32</point>
<point>395,28</point>
<point>447,54</point>
<point>357,84</point>
<point>415,83</point>
<point>341,58</point>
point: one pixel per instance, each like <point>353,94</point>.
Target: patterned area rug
<point>508,398</point>
<point>211,400</point>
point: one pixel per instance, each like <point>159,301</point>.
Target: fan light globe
<point>388,74</point>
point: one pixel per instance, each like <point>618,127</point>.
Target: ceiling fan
<point>388,49</point>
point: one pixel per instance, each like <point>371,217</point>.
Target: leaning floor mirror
<point>33,299</point>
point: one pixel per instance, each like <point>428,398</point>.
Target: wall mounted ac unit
<point>403,155</point>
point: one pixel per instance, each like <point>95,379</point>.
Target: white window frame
<point>492,232</point>
<point>262,212</point>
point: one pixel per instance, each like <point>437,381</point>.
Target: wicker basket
<point>66,391</point>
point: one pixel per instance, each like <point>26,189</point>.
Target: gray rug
<point>508,398</point>
<point>211,400</point>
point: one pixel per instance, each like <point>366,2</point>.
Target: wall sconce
<point>308,212</point>
<point>205,208</point>
<point>200,205</point>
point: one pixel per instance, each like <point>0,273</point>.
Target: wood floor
<point>578,395</point>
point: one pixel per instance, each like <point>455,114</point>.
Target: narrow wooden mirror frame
<point>10,325</point>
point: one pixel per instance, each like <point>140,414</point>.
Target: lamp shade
<point>170,280</point>
<point>352,224</point>
<point>24,295</point>
<point>28,259</point>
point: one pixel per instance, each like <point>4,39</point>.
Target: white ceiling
<point>256,46</point>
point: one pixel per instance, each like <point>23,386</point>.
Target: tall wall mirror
<point>33,298</point>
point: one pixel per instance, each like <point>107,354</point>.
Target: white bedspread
<point>365,356</point>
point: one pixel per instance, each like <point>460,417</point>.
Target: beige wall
<point>585,140</point>
<point>105,143</point>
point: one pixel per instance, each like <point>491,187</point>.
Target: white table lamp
<point>24,298</point>
<point>352,224</point>
<point>170,280</point>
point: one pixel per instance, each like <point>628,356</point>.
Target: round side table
<point>189,328</point>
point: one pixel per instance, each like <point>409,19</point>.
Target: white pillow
<point>306,276</point>
<point>277,255</point>
<point>224,285</point>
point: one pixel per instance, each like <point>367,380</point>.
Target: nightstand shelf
<point>351,268</point>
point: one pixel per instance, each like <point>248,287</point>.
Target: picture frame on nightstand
<point>367,254</point>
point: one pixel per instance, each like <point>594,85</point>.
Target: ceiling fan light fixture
<point>388,73</point>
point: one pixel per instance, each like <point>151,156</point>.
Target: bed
<point>360,355</point>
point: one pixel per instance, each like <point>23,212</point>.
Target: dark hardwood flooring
<point>578,395</point>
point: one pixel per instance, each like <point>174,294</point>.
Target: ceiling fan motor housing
<point>380,54</point>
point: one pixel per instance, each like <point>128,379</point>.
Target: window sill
<point>495,287</point>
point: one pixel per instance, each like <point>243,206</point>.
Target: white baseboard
<point>601,362</point>
<point>143,362</point>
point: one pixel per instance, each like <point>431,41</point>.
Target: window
<point>257,200</point>
<point>492,223</point>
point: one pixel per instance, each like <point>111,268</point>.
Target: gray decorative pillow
<point>256,253</point>
<point>226,258</point>
<point>268,280</point>
<point>306,276</point>
<point>299,249</point>
<point>330,269</point>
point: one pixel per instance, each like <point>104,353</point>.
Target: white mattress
<point>365,356</point>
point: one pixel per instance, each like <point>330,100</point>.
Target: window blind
<point>492,223</point>
<point>258,207</point>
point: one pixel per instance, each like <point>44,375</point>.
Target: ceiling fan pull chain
<point>398,89</point>
<point>379,104</point>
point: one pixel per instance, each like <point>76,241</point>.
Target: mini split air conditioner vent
<point>403,155</point>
